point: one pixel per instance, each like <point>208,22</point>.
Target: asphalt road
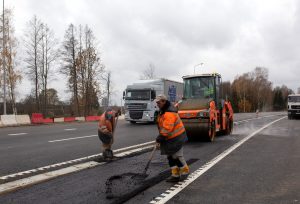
<point>29,147</point>
<point>264,169</point>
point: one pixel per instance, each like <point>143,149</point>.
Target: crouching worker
<point>106,130</point>
<point>171,138</point>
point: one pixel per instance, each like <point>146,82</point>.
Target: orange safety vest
<point>170,125</point>
<point>105,124</point>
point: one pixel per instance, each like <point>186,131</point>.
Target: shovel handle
<point>152,153</point>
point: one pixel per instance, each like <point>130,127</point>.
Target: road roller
<point>202,109</point>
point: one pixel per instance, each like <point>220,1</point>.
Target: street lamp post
<point>196,66</point>
<point>3,63</point>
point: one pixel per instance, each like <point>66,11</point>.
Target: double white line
<point>22,183</point>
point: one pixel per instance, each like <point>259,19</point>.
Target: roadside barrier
<point>8,120</point>
<point>69,119</point>
<point>1,124</point>
<point>92,118</point>
<point>80,118</point>
<point>23,119</point>
<point>59,120</point>
<point>37,118</point>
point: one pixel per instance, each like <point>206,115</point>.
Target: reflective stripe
<point>177,127</point>
<point>176,131</point>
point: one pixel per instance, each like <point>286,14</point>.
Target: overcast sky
<point>229,36</point>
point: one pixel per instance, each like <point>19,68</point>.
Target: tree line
<point>76,57</point>
<point>253,91</point>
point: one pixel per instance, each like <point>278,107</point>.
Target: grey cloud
<point>231,36</point>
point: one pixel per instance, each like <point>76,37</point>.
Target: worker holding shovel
<point>171,138</point>
<point>107,124</point>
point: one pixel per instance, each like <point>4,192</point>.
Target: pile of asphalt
<point>123,187</point>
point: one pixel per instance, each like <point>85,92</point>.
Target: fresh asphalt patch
<point>134,182</point>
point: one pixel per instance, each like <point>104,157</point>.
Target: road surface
<point>258,163</point>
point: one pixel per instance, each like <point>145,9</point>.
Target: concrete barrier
<point>92,118</point>
<point>8,120</point>
<point>37,118</point>
<point>69,119</point>
<point>59,120</point>
<point>23,119</point>
<point>1,124</point>
<point>80,118</point>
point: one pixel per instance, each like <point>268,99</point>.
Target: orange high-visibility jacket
<point>106,124</point>
<point>170,125</point>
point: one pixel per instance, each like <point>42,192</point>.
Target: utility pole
<point>4,68</point>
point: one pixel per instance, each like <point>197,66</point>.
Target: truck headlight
<point>202,114</point>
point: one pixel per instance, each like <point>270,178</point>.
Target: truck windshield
<point>294,99</point>
<point>137,95</point>
<point>199,87</point>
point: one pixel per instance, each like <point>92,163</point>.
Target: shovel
<point>150,159</point>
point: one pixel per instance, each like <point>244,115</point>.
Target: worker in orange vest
<point>106,130</point>
<point>171,138</point>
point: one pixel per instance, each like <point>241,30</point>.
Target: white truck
<point>293,106</point>
<point>140,105</point>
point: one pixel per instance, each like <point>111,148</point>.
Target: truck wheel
<point>211,131</point>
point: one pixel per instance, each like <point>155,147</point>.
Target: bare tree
<point>13,76</point>
<point>33,39</point>
<point>108,87</point>
<point>148,73</point>
<point>49,52</point>
<point>91,70</point>
<point>83,67</point>
<point>70,68</point>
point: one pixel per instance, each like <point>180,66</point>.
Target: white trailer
<point>139,98</point>
<point>293,106</point>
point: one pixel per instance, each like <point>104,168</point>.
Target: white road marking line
<point>79,159</point>
<point>22,183</point>
<point>72,138</point>
<point>177,188</point>
<point>15,134</point>
<point>70,129</point>
<point>14,185</point>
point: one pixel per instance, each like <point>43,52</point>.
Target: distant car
<point>293,106</point>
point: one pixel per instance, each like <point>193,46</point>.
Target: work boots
<point>184,172</point>
<point>108,154</point>
<point>175,177</point>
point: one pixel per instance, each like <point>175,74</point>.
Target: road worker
<point>106,128</point>
<point>171,138</point>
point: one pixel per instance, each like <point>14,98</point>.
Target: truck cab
<point>140,105</point>
<point>293,106</point>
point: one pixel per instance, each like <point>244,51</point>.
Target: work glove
<point>160,139</point>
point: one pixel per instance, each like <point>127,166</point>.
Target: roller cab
<point>202,109</point>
